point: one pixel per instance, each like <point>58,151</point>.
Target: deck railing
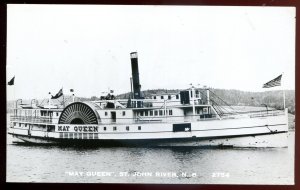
<point>33,119</point>
<point>267,113</point>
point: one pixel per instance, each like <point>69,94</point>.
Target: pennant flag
<point>59,94</point>
<point>274,82</point>
<point>12,81</point>
<point>71,90</point>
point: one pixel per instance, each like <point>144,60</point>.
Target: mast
<point>193,100</point>
<point>283,99</point>
<point>63,96</point>
<point>283,92</point>
<point>207,91</point>
<point>49,99</point>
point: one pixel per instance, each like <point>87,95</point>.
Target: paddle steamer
<point>191,117</point>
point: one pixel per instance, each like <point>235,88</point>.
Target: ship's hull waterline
<point>278,140</point>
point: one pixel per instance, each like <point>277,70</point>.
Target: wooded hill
<point>272,99</point>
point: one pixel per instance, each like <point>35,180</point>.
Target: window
<point>155,112</point>
<point>160,112</point>
<point>127,128</point>
<point>154,97</point>
<point>162,97</point>
<point>19,124</point>
<point>146,113</point>
<point>105,113</point>
<point>151,113</point>
<point>115,128</point>
<point>177,96</point>
<point>139,127</point>
<point>85,136</point>
<point>142,113</point>
<point>104,128</point>
<point>56,113</point>
<point>66,135</point>
<point>123,113</point>
<point>169,97</point>
<point>170,112</point>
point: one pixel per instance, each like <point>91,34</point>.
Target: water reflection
<point>51,164</point>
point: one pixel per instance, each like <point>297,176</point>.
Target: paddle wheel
<point>79,113</point>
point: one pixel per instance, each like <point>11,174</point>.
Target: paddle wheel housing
<point>80,113</point>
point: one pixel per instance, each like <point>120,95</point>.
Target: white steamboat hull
<point>268,131</point>
<point>251,141</point>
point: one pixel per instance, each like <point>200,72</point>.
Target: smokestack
<point>135,76</point>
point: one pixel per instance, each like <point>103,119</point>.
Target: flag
<point>71,90</point>
<point>12,81</point>
<point>274,82</point>
<point>111,91</point>
<point>59,94</point>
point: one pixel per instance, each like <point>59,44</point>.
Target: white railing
<point>32,119</point>
<point>267,113</point>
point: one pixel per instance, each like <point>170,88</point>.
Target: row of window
<point>46,113</point>
<point>115,128</point>
<point>78,135</point>
<point>169,97</point>
<point>197,94</point>
<point>155,112</point>
<point>123,113</point>
<point>20,125</point>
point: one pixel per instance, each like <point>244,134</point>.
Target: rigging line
<point>220,108</point>
<point>269,129</point>
<point>223,108</point>
<point>217,108</point>
<point>42,102</point>
<point>221,99</point>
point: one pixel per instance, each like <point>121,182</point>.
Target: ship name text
<point>77,128</point>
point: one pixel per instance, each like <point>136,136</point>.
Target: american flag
<point>274,82</point>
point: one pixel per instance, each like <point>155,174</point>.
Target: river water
<point>28,163</point>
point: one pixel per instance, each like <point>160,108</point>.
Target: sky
<point>87,48</point>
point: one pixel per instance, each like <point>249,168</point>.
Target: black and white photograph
<point>150,94</point>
